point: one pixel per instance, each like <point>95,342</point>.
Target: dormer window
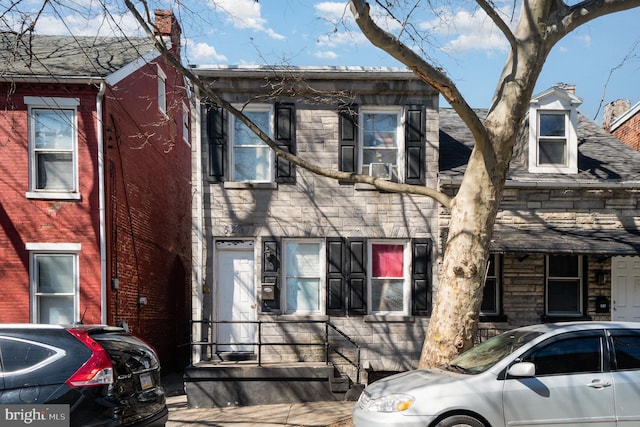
<point>553,141</point>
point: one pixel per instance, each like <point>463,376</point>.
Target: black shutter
<point>415,145</point>
<point>336,277</point>
<point>348,139</point>
<point>286,138</point>
<point>271,271</point>
<point>421,276</point>
<point>357,278</point>
<point>217,135</point>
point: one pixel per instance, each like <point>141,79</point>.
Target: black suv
<point>105,375</point>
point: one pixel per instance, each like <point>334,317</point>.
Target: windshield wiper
<point>457,368</point>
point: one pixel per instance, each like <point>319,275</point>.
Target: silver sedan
<point>562,374</point>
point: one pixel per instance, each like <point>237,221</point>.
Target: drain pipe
<point>101,208</point>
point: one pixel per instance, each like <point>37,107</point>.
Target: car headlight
<point>397,402</point>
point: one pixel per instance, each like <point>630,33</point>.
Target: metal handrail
<point>259,342</point>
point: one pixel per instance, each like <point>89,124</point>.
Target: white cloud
<point>204,53</point>
<point>464,31</point>
<point>333,11</point>
<point>336,39</point>
<point>326,54</point>
<point>585,40</point>
<point>245,14</point>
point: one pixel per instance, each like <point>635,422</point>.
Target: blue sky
<point>312,32</point>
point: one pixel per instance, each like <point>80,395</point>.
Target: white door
<point>236,300</point>
<point>625,288</point>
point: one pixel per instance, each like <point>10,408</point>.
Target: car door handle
<point>598,384</point>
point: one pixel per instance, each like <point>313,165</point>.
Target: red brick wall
<point>25,221</point>
<point>148,172</point>
<point>629,132</point>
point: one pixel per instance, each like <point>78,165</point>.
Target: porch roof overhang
<point>567,241</point>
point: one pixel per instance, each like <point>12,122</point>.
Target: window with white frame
<point>303,275</point>
<point>252,159</point>
<point>389,285</point>
<point>552,139</point>
<point>54,282</point>
<point>381,141</point>
<point>564,285</point>
<point>162,91</point>
<point>53,147</point>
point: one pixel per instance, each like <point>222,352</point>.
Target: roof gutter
<point>50,79</point>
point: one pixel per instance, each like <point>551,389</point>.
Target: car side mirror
<point>522,369</point>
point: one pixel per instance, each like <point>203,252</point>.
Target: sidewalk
<point>310,414</point>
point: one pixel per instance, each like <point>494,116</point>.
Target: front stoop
<point>236,384</point>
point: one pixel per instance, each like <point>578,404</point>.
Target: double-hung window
<point>252,159</point>
<point>303,276</point>
<point>389,290</point>
<point>53,147</point>
<point>564,285</point>
<point>382,142</point>
<point>552,139</point>
<point>54,282</point>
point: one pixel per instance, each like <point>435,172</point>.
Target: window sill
<point>303,316</point>
<point>389,318</point>
<point>367,187</point>
<point>51,195</point>
<point>251,185</point>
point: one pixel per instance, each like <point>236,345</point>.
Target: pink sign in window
<point>387,260</point>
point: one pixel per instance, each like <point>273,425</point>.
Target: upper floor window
<point>252,159</point>
<point>381,142</point>
<point>162,91</point>
<point>384,142</point>
<point>53,147</point>
<point>185,124</point>
<point>54,282</point>
<point>564,285</point>
<point>237,154</point>
<point>553,141</point>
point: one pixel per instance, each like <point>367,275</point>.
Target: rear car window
<point>22,355</point>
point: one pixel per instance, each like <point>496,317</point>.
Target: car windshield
<point>486,354</point>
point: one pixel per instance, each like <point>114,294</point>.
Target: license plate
<point>146,381</point>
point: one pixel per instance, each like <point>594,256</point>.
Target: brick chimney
<point>613,110</point>
<point>167,27</point>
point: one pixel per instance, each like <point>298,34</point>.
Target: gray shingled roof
<point>602,159</point>
<point>601,156</point>
<point>66,56</point>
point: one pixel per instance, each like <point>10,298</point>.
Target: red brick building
<point>95,192</point>
<point>623,122</point>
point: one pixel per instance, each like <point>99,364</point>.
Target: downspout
<point>101,208</point>
<point>199,234</point>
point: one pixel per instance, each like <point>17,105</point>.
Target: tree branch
<point>425,71</point>
<point>380,184</point>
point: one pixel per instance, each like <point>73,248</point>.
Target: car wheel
<point>460,421</point>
